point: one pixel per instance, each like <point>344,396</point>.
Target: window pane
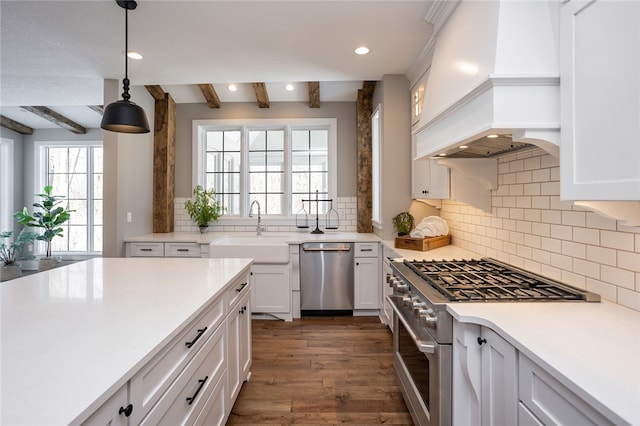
<point>97,212</point>
<point>97,185</point>
<point>214,141</point>
<point>275,204</point>
<point>79,214</point>
<point>232,140</point>
<point>78,238</point>
<point>275,140</point>
<point>300,182</point>
<point>257,140</point>
<point>60,243</point>
<point>58,160</point>
<point>257,183</point>
<point>257,161</point>
<point>97,238</point>
<point>318,161</point>
<point>231,162</point>
<point>77,186</point>
<point>300,140</point>
<point>319,140</point>
<point>78,160</point>
<point>275,161</point>
<point>97,159</point>
<point>60,184</point>
<point>275,183</point>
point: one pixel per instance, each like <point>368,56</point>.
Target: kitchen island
<point>72,337</point>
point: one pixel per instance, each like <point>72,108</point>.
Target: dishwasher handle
<point>342,248</point>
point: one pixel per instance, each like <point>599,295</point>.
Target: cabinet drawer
<point>146,249</point>
<point>109,412</point>
<point>185,399</point>
<point>237,290</point>
<point>366,250</point>
<point>182,250</point>
<point>552,402</point>
<point>148,385</point>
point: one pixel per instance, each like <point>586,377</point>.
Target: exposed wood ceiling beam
<point>15,126</point>
<point>261,94</point>
<point>97,108</point>
<point>57,119</point>
<point>156,92</point>
<point>314,94</point>
<point>209,93</point>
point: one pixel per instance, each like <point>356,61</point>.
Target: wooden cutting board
<point>422,244</point>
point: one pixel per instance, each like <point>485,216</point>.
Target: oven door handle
<point>424,346</point>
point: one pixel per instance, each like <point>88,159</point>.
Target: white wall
<point>394,95</point>
<point>531,228</point>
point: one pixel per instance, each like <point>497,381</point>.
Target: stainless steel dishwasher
<point>326,279</point>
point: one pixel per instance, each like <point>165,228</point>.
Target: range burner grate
<point>490,280</point>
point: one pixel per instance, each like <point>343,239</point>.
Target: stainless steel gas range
<point>423,329</point>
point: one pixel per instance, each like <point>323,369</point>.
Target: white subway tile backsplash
<point>532,228</point>
<point>617,276</point>
<point>617,240</point>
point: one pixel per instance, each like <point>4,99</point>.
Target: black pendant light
<point>124,116</point>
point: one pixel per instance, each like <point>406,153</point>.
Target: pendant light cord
<point>125,82</point>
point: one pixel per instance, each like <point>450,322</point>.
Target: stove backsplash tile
<point>530,227</point>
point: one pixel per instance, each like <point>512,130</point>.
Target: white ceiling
<point>57,53</point>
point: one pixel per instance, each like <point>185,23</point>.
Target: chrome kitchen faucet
<point>259,227</point>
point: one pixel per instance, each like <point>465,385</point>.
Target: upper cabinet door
<point>600,100</point>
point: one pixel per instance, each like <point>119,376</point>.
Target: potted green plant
<point>204,207</point>
<point>48,216</point>
<point>403,222</point>
<point>12,251</point>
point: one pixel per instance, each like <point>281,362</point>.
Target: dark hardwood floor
<point>321,370</point>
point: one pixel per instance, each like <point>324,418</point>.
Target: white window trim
<point>39,180</point>
<point>199,128</point>
<point>6,184</point>
<point>376,221</point>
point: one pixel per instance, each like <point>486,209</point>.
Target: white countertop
<point>289,237</point>
<point>592,348</point>
<point>73,335</point>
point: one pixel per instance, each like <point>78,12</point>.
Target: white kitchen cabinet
<point>239,348</point>
<point>271,292</point>
<point>166,249</point>
<point>114,412</point>
<point>485,377</point>
<point>499,380</point>
<point>190,380</point>
<point>600,100</point>
<point>367,277</point>
<point>550,401</point>
<point>429,180</point>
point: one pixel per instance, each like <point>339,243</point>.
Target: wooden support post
<point>364,109</point>
<point>314,94</point>
<point>164,146</point>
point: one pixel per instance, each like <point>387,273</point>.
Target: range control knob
<point>428,318</point>
<point>418,307</point>
<point>400,287</point>
<point>408,300</point>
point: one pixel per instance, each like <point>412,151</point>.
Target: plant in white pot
<point>49,215</point>
<point>11,251</point>
<point>204,207</point>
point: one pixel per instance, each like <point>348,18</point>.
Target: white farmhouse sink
<point>263,248</point>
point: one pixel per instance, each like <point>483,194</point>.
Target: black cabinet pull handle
<point>183,249</point>
<point>126,411</point>
<point>366,249</point>
<point>481,341</point>
<point>242,310</point>
<point>193,398</point>
<point>242,286</point>
<point>146,249</point>
<point>193,342</point>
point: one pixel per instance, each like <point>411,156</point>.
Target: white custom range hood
<point>494,71</point>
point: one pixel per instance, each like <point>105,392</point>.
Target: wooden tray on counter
<point>422,244</point>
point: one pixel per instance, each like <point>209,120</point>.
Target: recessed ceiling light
<point>362,50</point>
<point>463,146</point>
<point>492,136</point>
<point>444,154</point>
<point>289,87</point>
<point>134,55</point>
<point>232,87</point>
